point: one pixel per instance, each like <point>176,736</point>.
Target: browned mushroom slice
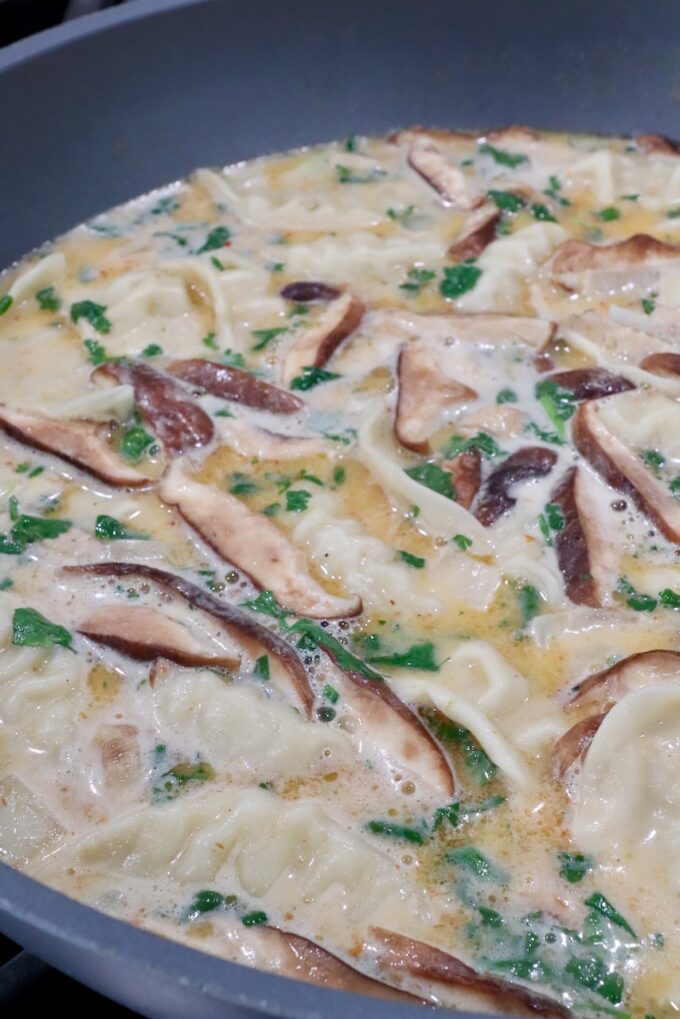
<point>604,688</point>
<point>587,560</point>
<point>478,232</point>
<point>247,632</point>
<point>448,180</point>
<point>119,748</point>
<point>179,423</point>
<point>524,465</point>
<point>662,363</point>
<point>623,343</point>
<point>632,264</point>
<point>256,545</point>
<point>575,743</point>
<point>403,737</point>
<point>622,468</point>
<point>309,291</point>
<point>234,384</point>
<point>316,345</point>
<point>400,954</point>
<point>145,634</point>
<point>423,394</point>
<point>305,960</point>
<point>81,443</point>
<point>466,475</point>
<point>656,143</point>
<point>592,383</point>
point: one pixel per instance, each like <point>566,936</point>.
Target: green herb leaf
<point>31,629</point>
<point>93,313</point>
<point>48,300</point>
<point>477,863</point>
<point>486,444</point>
<point>234,359</point>
<point>209,341</point>
<point>593,973</point>
<point>412,560</point>
<point>608,214</point>
<point>217,238</point>
<point>458,279</point>
<point>544,435</point>
<point>297,500</point>
<point>419,656</point>
<point>331,694</point>
<point>134,443</point>
<point>339,475</point>
<point>653,459</point>
<point>203,902</point>
<point>316,636</point>
<point>347,175</point>
<point>396,831</point>
<point>648,305</point>
<point>97,352</point>
<point>27,529</point>
<point>254,919</point>
<point>261,667</point>
<point>558,403</point>
<point>351,143</point>
<point>506,396</point>
<point>669,598</point>
<point>529,603</point>
<point>416,280</point>
<point>241,484</point>
<point>506,201</point>
<point>574,866</point>
<point>503,158</point>
<point>401,215</point>
<point>476,760</point>
<point>634,599</point>
<point>153,350</point>
<point>542,212</point>
<point>265,336</point>
<point>6,303</point>
<point>601,905</point>
<point>462,541</point>
<point>266,604</point>
<point>312,376</point>
<point>109,529</point>
<point>432,476</point>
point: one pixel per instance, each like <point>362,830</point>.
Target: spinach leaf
<point>31,629</point>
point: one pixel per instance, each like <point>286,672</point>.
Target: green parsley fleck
<point>311,377</point>
<point>506,201</point>
<point>134,443</point>
<point>458,279</point>
<point>396,831</point>
<point>261,667</point>
<point>31,629</point>
<point>265,336</point>
<point>503,158</point>
<point>542,212</point>
<point>574,866</point>
<point>217,238</point>
<point>462,542</point>
<point>506,396</point>
<point>92,313</point>
<point>414,561</point>
<point>297,500</point>
<point>608,214</point>
<point>153,350</point>
<point>432,476</point>
<point>48,300</point>
<point>416,280</point>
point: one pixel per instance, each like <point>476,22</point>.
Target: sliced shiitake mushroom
<point>78,442</point>
<point>316,345</point>
<point>424,392</point>
<point>524,465</point>
<point>236,385</point>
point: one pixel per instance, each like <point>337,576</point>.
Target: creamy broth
<point>393,418</point>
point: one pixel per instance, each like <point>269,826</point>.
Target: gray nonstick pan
<point>102,109</point>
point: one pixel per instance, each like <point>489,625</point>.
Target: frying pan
<point>102,109</point>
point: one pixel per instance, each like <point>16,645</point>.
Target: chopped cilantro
<point>634,599</point>
<point>346,175</point>
<point>217,238</point>
<point>27,529</point>
<point>419,656</point>
<point>416,280</point>
<point>209,341</point>
<point>529,603</point>
<point>331,694</point>
<point>267,604</point>
<point>477,864</point>
<point>203,902</point>
<point>6,303</point>
<point>462,542</point>
<point>261,667</point>
<point>92,313</point>
<point>542,212</point>
<point>339,476</point>
<point>432,476</point>
<point>31,629</point>
<point>233,358</point>
<point>503,158</point>
<point>574,866</point>
<point>608,214</point>
<point>48,300</point>
<point>476,760</point>
<point>412,560</point>
<point>653,459</point>
<point>458,279</point>
<point>558,403</point>
<point>241,484</point>
<point>506,396</point>
<point>6,583</point>
<point>265,336</point>
<point>401,215</point>
<point>648,305</point>
<point>134,443</point>
<point>669,598</point>
<point>486,444</point>
<point>506,201</point>
<point>396,831</point>
<point>153,350</point>
<point>311,377</point>
<point>297,500</point>
<point>601,905</point>
<point>109,529</point>
<point>97,352</point>
<point>593,973</point>
<point>254,919</point>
